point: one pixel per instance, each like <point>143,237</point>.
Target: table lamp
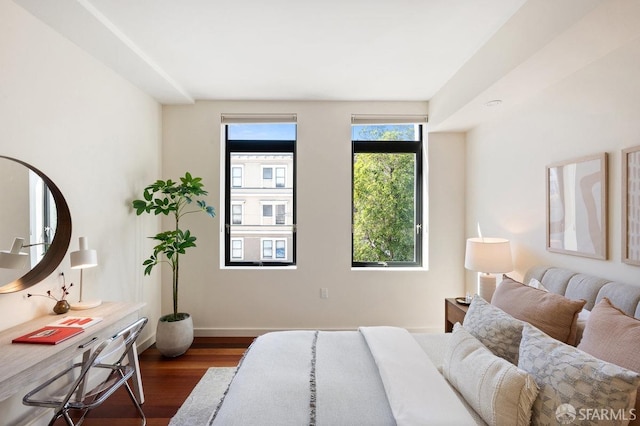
<point>81,259</point>
<point>487,256</point>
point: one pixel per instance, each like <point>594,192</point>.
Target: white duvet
<point>373,376</point>
<point>417,393</point>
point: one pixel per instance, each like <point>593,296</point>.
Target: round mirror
<point>35,226</point>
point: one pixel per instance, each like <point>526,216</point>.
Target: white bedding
<point>417,393</point>
<point>374,376</point>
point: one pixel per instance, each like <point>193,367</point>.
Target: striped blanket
<point>373,376</point>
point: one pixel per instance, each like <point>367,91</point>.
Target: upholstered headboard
<point>576,286</point>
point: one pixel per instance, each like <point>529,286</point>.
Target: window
<point>280,177</point>
<point>236,214</point>
<point>280,215</point>
<point>268,180</point>
<point>261,157</point>
<point>236,177</point>
<point>43,218</point>
<point>268,249</point>
<point>281,249</point>
<point>387,195</point>
<point>267,177</point>
<point>237,250</point>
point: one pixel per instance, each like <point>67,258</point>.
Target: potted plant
<point>174,334</point>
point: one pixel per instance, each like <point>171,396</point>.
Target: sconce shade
<point>84,257</point>
<point>489,255</point>
<point>13,259</point>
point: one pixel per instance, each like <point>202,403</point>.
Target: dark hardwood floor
<point>168,382</point>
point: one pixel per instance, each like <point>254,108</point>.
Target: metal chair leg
<point>135,402</point>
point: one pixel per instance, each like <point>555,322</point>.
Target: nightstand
<point>453,312</point>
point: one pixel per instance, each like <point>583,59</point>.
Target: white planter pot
<point>174,338</point>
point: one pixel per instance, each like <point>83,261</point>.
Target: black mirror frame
<point>58,248</point>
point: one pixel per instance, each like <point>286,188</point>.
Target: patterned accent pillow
<point>496,329</point>
<point>496,389</point>
<point>599,392</point>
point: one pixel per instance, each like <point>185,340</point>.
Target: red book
<point>49,335</point>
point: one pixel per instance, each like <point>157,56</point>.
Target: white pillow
<point>583,316</point>
<point>537,284</point>
<point>581,324</point>
<point>497,390</point>
<point>573,382</point>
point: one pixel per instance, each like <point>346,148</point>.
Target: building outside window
<point>260,176</point>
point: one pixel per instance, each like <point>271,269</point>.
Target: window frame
<point>255,147</point>
<point>395,147</point>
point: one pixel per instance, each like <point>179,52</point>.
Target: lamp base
<point>80,306</point>
<point>486,286</point>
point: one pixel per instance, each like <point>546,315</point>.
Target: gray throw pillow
<point>575,384</point>
<point>496,329</point>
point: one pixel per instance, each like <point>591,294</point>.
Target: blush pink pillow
<point>552,313</point>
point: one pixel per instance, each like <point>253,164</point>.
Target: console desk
<point>27,365</point>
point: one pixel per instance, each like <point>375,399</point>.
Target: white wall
<point>246,301</point>
<point>98,138</point>
<point>594,110</point>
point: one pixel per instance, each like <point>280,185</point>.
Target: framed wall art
<point>631,205</point>
<point>577,207</point>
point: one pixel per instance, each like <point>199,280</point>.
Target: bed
<point>483,373</point>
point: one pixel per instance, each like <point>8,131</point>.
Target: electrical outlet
<point>324,293</point>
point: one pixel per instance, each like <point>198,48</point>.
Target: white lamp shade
<point>13,259</point>
<point>489,255</point>
<point>84,258</point>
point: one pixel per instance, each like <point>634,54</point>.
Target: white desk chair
<point>86,385</point>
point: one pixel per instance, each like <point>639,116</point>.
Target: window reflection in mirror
<point>43,219</point>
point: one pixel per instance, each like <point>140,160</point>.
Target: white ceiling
<point>456,54</point>
<point>181,51</point>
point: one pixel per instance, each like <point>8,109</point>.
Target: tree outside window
<point>387,214</point>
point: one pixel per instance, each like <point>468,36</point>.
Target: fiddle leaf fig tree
<point>175,199</point>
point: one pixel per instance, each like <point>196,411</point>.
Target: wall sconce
<point>13,259</point>
<point>82,259</point>
<point>487,256</point>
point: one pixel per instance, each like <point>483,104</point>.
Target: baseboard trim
<point>146,343</point>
